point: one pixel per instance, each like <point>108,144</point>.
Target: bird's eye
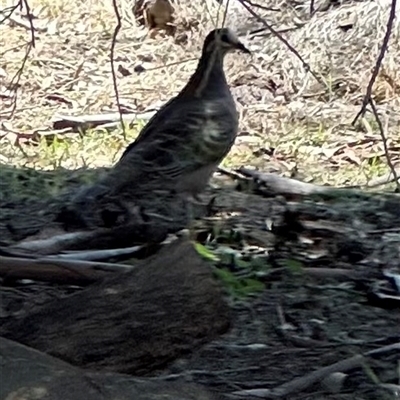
<point>224,38</point>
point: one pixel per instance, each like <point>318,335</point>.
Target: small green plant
<point>236,286</point>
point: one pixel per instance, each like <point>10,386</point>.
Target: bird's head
<point>224,40</point>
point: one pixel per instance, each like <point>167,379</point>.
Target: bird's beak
<point>241,47</point>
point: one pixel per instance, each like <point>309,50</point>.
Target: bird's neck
<point>209,75</point>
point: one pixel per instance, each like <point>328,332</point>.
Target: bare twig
<point>312,7</point>
<point>8,11</point>
<point>255,5</point>
<point>245,4</point>
<point>30,20</point>
<point>379,60</point>
<point>17,77</point>
<point>384,141</point>
<point>113,73</point>
<point>225,13</point>
<point>259,32</point>
<point>231,174</point>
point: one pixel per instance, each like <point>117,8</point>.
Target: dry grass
<point>303,126</point>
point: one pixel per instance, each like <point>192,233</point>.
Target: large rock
<point>27,374</point>
<point>134,322</point>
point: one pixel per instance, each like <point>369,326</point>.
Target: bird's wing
<point>190,138</point>
<point>184,138</point>
<point>156,120</point>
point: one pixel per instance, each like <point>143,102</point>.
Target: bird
<point>182,145</point>
<point>185,141</point>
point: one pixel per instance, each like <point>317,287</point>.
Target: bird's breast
<point>219,125</point>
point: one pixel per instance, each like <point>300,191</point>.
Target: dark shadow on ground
<point>300,322</point>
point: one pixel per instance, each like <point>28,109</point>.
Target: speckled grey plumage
<point>182,145</point>
<point>184,142</point>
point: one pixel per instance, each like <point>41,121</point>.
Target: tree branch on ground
<point>56,270</point>
<point>280,185</point>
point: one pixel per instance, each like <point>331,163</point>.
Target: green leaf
<point>205,252</point>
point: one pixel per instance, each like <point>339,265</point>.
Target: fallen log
<point>51,269</point>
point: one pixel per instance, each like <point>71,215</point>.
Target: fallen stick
<point>98,255</point>
<point>282,185</point>
<point>91,121</point>
<point>102,238</point>
<point>299,384</point>
<point>52,269</point>
<point>55,244</point>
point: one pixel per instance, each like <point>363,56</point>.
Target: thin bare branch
<point>246,5</point>
<point>389,27</point>
<point>225,13</point>
<point>16,79</point>
<point>8,11</point>
<point>260,31</point>
<point>384,141</point>
<point>30,20</point>
<point>312,7</point>
<point>255,5</point>
<point>113,72</point>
